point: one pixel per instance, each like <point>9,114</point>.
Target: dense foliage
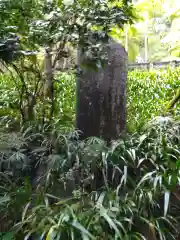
<point>54,185</point>
<point>154,89</point>
<point>10,102</point>
<point>56,23</point>
<point>34,41</point>
<point>89,190</point>
<point>149,95</point>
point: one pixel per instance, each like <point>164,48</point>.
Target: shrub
<point>64,101</point>
<point>149,94</point>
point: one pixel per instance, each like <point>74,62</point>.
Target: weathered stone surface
<point>101,96</point>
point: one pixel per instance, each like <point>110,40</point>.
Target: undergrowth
<point>88,190</point>
<point>55,186</point>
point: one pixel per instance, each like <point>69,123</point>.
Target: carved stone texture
<point>101,96</point>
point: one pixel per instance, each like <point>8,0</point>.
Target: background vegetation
<point>155,37</point>
<point>149,94</point>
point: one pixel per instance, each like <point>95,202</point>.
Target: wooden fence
<point>153,65</point>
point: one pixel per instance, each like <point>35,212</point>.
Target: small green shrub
<point>64,101</point>
<point>149,93</point>
<point>65,95</point>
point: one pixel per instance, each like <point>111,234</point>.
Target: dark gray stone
<point>101,96</point>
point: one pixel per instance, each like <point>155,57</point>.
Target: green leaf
<point>83,231</point>
<point>7,236</point>
<point>4,199</point>
<point>68,2</point>
<point>166,202</point>
<point>103,213</point>
<point>51,234</point>
<point>142,138</point>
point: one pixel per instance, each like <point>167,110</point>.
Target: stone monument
<point>101,95</point>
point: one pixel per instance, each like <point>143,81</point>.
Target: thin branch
<point>22,79</point>
<point>59,51</point>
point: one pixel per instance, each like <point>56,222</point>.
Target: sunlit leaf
<point>166,202</point>
<point>82,229</point>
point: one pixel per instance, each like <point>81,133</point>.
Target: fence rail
<point>153,65</point>
<point>133,66</point>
